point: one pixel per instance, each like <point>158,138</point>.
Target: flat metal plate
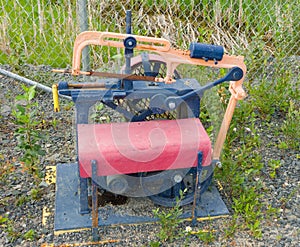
<point>67,215</point>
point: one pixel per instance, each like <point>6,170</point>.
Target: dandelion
<point>188,229</point>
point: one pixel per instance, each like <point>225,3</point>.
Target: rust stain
<point>81,244</point>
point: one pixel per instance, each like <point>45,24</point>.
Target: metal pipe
<point>128,52</point>
<point>29,82</point>
<point>128,21</point>
<point>83,26</point>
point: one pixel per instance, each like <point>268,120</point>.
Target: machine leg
<point>95,233</point>
<point>83,196</point>
<point>197,189</point>
<point>82,110</point>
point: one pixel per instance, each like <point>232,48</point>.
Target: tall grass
<point>37,31</point>
<point>43,32</point>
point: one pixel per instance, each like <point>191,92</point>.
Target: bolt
<point>177,178</point>
<point>172,105</point>
<point>130,43</point>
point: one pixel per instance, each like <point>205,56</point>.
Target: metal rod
<point>128,53</point>
<point>197,188</point>
<point>29,82</point>
<point>132,77</point>
<point>83,26</point>
<point>86,85</point>
<point>128,21</point>
<point>95,233</point>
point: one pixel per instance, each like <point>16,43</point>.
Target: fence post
<point>83,26</point>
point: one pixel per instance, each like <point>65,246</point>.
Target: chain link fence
<point>42,32</point>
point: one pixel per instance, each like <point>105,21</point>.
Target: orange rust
<point>81,244</point>
<point>224,128</point>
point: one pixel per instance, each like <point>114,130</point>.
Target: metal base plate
<point>67,215</point>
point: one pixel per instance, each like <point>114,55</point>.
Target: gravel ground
<point>282,192</point>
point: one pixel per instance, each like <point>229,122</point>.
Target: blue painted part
<point>129,43</point>
<point>128,21</point>
<point>165,199</point>
<point>83,196</point>
<point>180,87</point>
<point>207,52</point>
<point>169,198</point>
<point>140,90</point>
<point>199,158</point>
<point>67,201</point>
<point>128,85</point>
<point>125,113</point>
<point>177,92</point>
<point>67,216</point>
<point>146,65</point>
<point>197,192</point>
<point>234,74</point>
<point>182,90</point>
<point>82,118</point>
<point>63,85</point>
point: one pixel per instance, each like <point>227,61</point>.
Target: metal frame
<point>172,57</point>
<point>175,92</point>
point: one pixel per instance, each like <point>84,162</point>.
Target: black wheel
<point>169,197</point>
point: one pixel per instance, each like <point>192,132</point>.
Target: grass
<point>37,32</point>
<point>170,226</point>
<point>42,32</point>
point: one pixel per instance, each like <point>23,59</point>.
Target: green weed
<point>283,145</point>
<point>28,133</point>
<point>35,193</point>
<point>30,235</point>
<point>169,221</point>
<point>274,165</point>
<point>205,235</point>
<point>7,226</point>
<point>21,200</point>
<point>291,126</point>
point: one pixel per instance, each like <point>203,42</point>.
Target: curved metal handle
<point>114,40</point>
<point>144,43</point>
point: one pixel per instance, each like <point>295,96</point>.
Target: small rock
<point>5,110</point>
<point>43,184</point>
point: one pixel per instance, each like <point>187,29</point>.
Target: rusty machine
<point>144,155</point>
